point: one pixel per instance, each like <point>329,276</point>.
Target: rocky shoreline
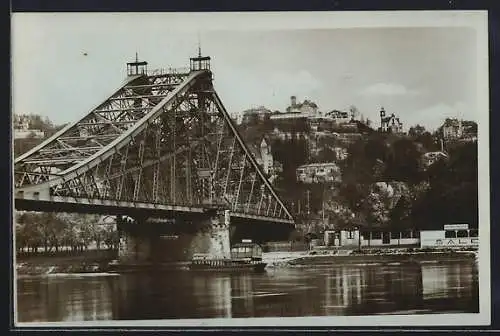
<point>29,268</point>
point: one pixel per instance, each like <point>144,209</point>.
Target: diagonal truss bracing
<point>163,139</point>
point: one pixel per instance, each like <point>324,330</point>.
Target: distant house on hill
<point>390,124</point>
<point>339,117</point>
<point>22,130</point>
<point>454,129</point>
<point>319,173</point>
<point>255,114</point>
<point>306,109</point>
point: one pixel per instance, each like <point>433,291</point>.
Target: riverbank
<point>79,265</point>
<point>374,256</point>
<point>67,263</point>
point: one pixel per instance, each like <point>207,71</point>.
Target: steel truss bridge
<point>163,143</point>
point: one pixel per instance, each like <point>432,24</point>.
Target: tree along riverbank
<point>98,262</point>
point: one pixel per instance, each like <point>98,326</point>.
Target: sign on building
<point>448,227</point>
<point>436,238</point>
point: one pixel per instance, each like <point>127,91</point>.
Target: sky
<point>63,65</point>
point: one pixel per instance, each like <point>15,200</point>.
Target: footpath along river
<point>308,289</point>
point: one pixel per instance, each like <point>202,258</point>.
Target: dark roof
<point>244,245</point>
<point>391,117</point>
<point>137,63</point>
<point>308,102</point>
<point>202,58</point>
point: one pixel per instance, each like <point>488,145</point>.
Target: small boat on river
<point>245,256</point>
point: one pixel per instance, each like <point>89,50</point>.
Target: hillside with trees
<point>444,193</point>
<point>385,183</point>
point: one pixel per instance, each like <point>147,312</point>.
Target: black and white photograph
<point>250,169</point>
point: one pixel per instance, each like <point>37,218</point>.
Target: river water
<point>314,290</point>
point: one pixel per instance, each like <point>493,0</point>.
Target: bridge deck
<point>113,207</point>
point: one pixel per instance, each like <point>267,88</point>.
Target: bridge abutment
<point>212,238</point>
<point>151,243</point>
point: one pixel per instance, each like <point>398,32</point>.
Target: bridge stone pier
<point>145,241</point>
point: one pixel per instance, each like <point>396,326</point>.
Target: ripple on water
<point>269,294</point>
<point>80,275</point>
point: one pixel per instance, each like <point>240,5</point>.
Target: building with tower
<point>390,124</point>
<point>266,157</point>
<point>263,155</point>
<point>305,109</point>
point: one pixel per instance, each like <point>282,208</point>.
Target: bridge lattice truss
<point>161,139</point>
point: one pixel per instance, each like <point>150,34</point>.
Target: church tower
<point>383,123</point>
